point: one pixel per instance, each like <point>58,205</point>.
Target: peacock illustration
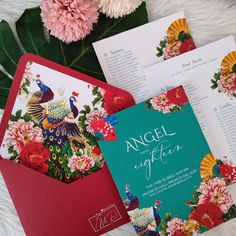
<point>155,212</point>
<point>45,94</point>
<point>145,220</point>
<point>57,114</point>
<point>132,202</point>
<point>60,126</point>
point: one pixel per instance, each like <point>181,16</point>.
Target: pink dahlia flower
<point>69,20</point>
<point>162,103</point>
<point>93,116</point>
<point>20,133</point>
<point>174,225</point>
<point>215,191</point>
<point>82,163</point>
<point>172,51</point>
<point>227,85</point>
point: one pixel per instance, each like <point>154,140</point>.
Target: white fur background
<point>209,20</point>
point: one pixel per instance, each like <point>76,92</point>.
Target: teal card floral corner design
<point>178,40</point>
<point>225,79</point>
<point>162,153</point>
<point>50,129</point>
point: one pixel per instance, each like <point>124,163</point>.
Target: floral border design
<point>171,46</point>
<point>211,205</point>
<point>170,101</point>
<point>225,79</point>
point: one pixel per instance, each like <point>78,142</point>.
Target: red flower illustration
<point>177,96</point>
<point>188,45</point>
<point>96,151</point>
<point>113,103</point>
<point>34,155</point>
<point>208,214</point>
<point>228,171</point>
<point>105,129</point>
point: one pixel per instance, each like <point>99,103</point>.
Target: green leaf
<point>230,214</point>
<point>11,149</point>
<point>95,91</point>
<point>214,86</point>
<point>27,117</point>
<point>31,32</point>
<point>168,216</point>
<point>10,52</point>
<point>87,108</point>
<point>82,118</point>
<point>203,229</point>
<point>79,55</point>
<point>148,105</point>
<point>96,100</point>
<point>13,118</point>
<point>18,114</point>
<point>5,85</point>
<point>217,76</point>
<point>27,82</point>
<point>163,44</point>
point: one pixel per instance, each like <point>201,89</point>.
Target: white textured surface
<point>209,20</point>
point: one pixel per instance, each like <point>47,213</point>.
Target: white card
<point>197,72</point>
<point>123,56</point>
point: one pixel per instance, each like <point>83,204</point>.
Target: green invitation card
<point>163,167</point>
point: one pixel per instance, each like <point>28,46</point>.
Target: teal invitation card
<point>163,167</point>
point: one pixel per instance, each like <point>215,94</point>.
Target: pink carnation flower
<point>174,225</point>
<point>227,85</point>
<point>82,163</point>
<point>162,103</point>
<point>215,191</point>
<point>20,133</point>
<point>69,20</point>
<point>171,51</point>
<point>93,116</point>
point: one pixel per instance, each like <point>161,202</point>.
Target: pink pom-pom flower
<point>69,20</point>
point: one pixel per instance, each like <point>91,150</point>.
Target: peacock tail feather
<point>58,164</point>
<point>54,138</point>
<point>36,111</point>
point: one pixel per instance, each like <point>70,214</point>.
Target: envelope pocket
<point>45,206</point>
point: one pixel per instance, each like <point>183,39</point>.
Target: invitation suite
<point>163,167</point>
<point>123,56</point>
<point>46,128</point>
<point>209,77</point>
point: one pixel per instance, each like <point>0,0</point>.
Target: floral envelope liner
<point>50,128</point>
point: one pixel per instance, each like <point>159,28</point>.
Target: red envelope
<point>89,206</point>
